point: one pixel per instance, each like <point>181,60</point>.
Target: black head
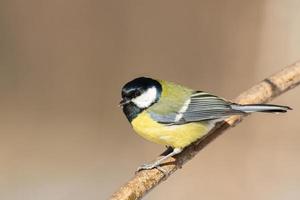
<point>139,94</point>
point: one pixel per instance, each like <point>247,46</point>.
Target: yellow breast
<point>176,136</point>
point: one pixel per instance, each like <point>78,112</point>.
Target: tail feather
<point>249,108</point>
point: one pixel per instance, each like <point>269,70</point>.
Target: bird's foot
<point>149,166</point>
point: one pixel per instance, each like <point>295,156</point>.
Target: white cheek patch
<point>146,99</point>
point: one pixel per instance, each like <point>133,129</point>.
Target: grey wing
<point>204,106</point>
<point>164,118</point>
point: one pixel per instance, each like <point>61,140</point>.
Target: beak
<point>123,102</point>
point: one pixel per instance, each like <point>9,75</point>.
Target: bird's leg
<point>158,162</point>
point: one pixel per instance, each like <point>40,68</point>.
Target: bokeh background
<point>63,63</point>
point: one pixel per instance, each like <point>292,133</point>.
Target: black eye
<point>137,93</point>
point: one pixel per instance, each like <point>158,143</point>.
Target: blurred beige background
<point>63,63</point>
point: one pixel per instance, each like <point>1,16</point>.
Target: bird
<point>173,115</point>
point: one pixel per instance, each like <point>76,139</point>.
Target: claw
<point>165,173</point>
<point>146,166</point>
<point>158,162</point>
<point>152,166</point>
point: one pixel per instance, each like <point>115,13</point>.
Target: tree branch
<point>271,87</point>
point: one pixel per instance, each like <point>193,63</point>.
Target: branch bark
<point>266,90</point>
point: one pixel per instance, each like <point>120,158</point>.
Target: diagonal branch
<point>275,85</point>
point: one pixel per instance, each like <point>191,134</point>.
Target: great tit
<point>173,115</point>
